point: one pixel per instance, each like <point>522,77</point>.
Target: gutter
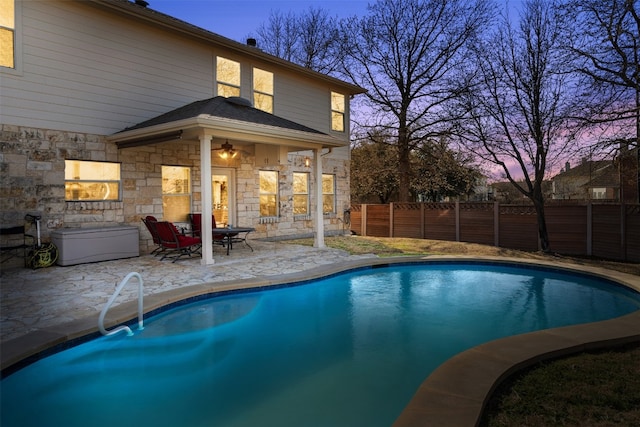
<point>223,128</point>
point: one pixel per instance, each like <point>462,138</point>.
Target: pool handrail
<point>113,298</point>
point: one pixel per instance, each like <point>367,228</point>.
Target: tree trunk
<point>543,234</point>
<point>404,176</point>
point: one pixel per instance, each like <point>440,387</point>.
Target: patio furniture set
<point>173,243</point>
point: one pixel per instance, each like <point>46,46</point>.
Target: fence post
<point>496,224</point>
<point>363,220</point>
<point>589,228</point>
<point>391,209</point>
<point>457,221</point>
<point>422,224</point>
<point>623,231</point>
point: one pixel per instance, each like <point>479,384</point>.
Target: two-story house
<point>111,111</point>
<point>590,180</point>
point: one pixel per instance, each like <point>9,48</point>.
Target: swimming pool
<point>347,350</point>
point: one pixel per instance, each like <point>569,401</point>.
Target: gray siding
<point>88,70</point>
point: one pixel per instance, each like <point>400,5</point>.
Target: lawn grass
<point>387,247</point>
<point>588,389</point>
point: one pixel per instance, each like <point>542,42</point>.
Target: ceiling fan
<point>228,152</point>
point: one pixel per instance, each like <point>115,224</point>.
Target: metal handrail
<point>113,298</point>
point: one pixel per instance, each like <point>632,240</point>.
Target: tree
<point>519,111</point>
<point>310,39</point>
<point>279,36</point>
<point>373,172</point>
<point>441,172</point>
<point>438,171</point>
<point>408,55</point>
<point>606,42</point>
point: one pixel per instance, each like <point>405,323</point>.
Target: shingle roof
<point>606,177</point>
<point>586,168</point>
<point>229,108</point>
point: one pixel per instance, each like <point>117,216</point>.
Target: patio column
<point>318,241</point>
<point>206,197</point>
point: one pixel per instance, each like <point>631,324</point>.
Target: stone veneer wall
<point>32,181</point>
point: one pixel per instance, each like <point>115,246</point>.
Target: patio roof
<point>231,117</point>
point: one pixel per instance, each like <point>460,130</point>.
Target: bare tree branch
<point>408,55</point>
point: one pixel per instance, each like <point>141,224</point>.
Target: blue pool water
<point>349,350</point>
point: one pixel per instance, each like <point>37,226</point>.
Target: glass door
<point>223,194</point>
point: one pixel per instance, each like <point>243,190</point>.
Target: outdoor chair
<point>175,244</point>
<point>196,228</point>
<point>15,242</point>
<point>154,234</point>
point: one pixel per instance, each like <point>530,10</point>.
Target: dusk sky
<point>238,19</point>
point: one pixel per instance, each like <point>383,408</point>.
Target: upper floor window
<point>176,193</point>
<point>337,111</point>
<point>228,77</point>
<point>7,33</point>
<point>300,193</point>
<point>268,193</point>
<point>328,193</point>
<point>263,90</point>
<point>86,180</point>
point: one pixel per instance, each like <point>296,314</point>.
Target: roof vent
<point>142,3</point>
<point>236,100</point>
<point>252,42</point>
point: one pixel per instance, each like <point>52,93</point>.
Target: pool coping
<point>455,394</point>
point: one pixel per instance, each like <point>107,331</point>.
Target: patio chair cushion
<point>196,226</point>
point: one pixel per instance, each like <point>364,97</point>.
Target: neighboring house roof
<point>174,26</point>
<point>606,177</point>
<point>585,169</point>
<point>233,108</point>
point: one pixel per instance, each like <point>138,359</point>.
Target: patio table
<point>234,234</point>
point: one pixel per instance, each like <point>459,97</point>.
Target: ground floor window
<point>268,193</point>
<point>328,193</point>
<point>91,181</point>
<point>598,193</point>
<point>300,193</point>
<point>176,193</point>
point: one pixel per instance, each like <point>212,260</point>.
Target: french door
<point>223,196</point>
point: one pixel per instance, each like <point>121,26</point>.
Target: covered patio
<point>229,125</point>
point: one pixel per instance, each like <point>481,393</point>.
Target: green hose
<point>43,256</point>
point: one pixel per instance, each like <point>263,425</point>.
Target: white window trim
<point>270,218</point>
<point>273,83</point>
<point>79,180</point>
<point>17,42</point>
<point>333,211</point>
<point>219,82</point>
<point>307,216</point>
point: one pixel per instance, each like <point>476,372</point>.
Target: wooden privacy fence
<point>609,231</point>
